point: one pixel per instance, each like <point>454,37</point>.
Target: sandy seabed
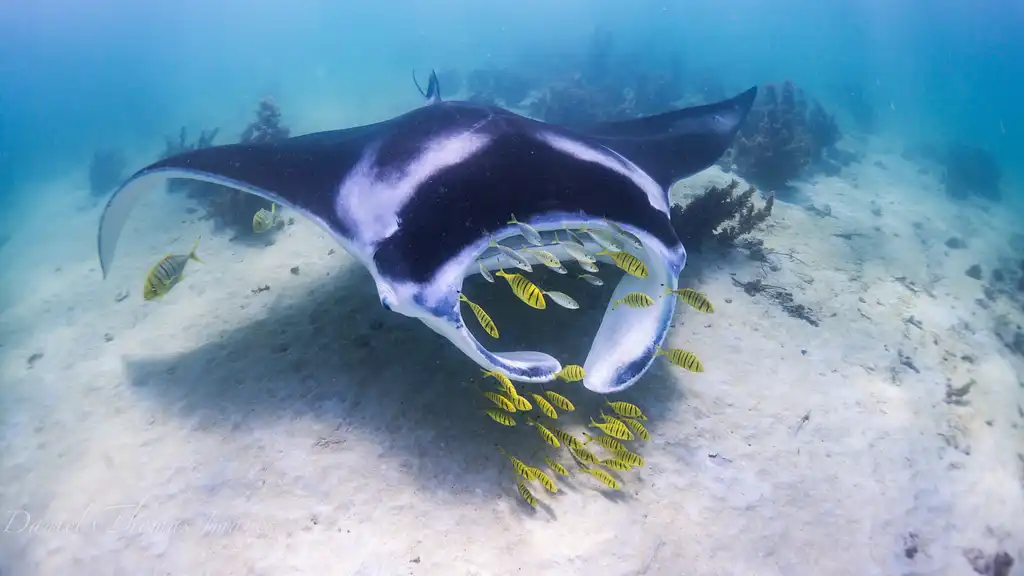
<point>305,430</point>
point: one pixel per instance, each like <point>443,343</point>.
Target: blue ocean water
<point>121,74</point>
<point>272,395</point>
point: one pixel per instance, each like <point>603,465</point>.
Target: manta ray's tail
<point>433,92</point>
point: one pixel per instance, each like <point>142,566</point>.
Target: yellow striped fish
<point>544,480</point>
<point>604,477</point>
<point>521,403</point>
<point>637,428</point>
<point>500,401</point>
<point>526,291</point>
<point>559,401</point>
<point>500,417</point>
<point>626,409</point>
<point>545,407</point>
<point>583,455</point>
<point>481,316</point>
<point>166,273</point>
<point>634,300</point>
<point>616,464</point>
<point>695,299</point>
<point>613,428</point>
<point>566,438</point>
<point>556,467</point>
<point>546,434</point>
<point>264,220</point>
<point>605,441</point>
<point>503,382</point>
<point>681,358</point>
<point>571,373</point>
<point>627,262</point>
<point>630,458</point>
<point>520,467</point>
<point>525,493</point>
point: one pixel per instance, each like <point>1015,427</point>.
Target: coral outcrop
<point>498,85</point>
<point>106,171</point>
<point>174,146</point>
<point>229,208</point>
<point>782,137</point>
<point>719,215</point>
<point>971,171</point>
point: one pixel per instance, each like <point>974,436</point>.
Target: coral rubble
<point>782,137</point>
<point>781,297</point>
<point>106,171</point>
<point>971,171</point>
<point>717,214</point>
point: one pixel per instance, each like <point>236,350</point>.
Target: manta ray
<point>418,199</point>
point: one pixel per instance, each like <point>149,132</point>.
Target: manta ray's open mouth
<point>632,326</point>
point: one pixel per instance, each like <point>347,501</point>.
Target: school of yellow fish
<point>625,424</point>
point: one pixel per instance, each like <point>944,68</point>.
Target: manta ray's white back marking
<point>368,201</point>
<point>612,161</point>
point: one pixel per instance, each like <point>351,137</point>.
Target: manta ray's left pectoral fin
<point>300,173</point>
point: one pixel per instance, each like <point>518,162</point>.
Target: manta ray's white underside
<point>625,343</point>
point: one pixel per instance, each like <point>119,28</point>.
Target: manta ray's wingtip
<point>745,99</point>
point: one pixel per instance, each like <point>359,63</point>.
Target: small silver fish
<point>605,239</point>
<point>485,272</point>
<point>592,280</point>
<point>588,266</point>
<point>629,236</point>
<point>546,258</point>
<point>574,238</point>
<point>563,300</point>
<point>528,232</point>
<point>578,253</point>
<point>517,259</point>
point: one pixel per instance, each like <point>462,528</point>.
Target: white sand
<point>305,430</point>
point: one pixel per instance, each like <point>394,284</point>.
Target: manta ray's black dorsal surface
<point>417,199</point>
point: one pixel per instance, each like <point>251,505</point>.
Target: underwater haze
<point>841,387</point>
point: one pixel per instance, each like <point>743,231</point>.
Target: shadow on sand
<point>335,355</point>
